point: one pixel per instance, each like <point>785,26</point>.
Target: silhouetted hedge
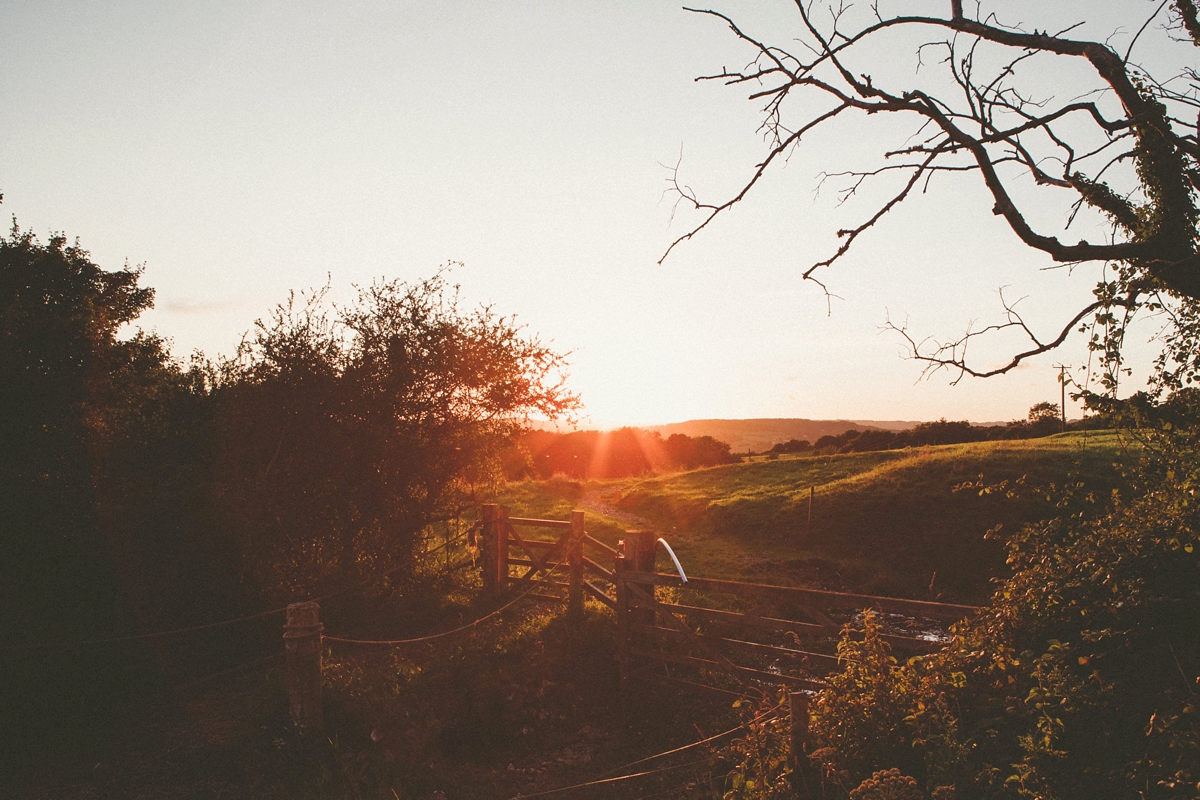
<point>611,454</point>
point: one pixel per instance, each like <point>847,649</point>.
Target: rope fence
<point>142,636</point>
<point>606,781</point>
<point>603,779</point>
<point>433,636</point>
<point>222,623</point>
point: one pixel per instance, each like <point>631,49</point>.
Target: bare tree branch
<point>953,355</point>
<point>989,119</point>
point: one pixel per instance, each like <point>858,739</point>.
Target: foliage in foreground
<point>140,494</point>
<point>1079,680</point>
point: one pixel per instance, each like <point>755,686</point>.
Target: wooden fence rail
<point>563,557</point>
<point>658,635</point>
<point>786,636</point>
<point>670,637</point>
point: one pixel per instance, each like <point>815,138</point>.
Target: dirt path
<point>591,501</point>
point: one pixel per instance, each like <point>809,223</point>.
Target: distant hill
<point>761,434</point>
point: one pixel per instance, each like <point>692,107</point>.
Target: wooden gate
<point>557,568</point>
<point>691,630</point>
<point>747,631</point>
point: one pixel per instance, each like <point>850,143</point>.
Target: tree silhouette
<point>982,103</point>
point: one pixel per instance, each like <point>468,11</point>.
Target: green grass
<point>886,522</point>
<point>529,703</point>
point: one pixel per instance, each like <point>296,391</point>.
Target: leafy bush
<point>1079,679</point>
<point>340,437</point>
<point>764,769</point>
<point>140,494</point>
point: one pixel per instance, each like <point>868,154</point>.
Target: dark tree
<point>342,434</point>
<point>69,394</point>
<point>981,96</point>
<point>1044,411</point>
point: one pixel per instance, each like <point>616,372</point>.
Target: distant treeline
<point>1043,421</point>
<point>611,454</point>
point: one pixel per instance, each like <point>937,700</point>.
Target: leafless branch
<point>989,119</point>
<point>953,355</point>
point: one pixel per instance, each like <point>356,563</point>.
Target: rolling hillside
<point>882,522</point>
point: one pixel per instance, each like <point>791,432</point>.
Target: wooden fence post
<point>489,513</point>
<point>302,640</point>
<point>641,548</point>
<point>798,710</point>
<point>575,558</point>
<point>501,550</point>
<point>620,567</point>
<point>495,549</point>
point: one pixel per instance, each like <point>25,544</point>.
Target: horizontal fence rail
<point>513,557</point>
<point>660,636</point>
<point>678,630</point>
<point>840,600</point>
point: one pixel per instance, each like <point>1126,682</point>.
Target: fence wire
<point>469,626</point>
<point>133,637</point>
<point>603,779</point>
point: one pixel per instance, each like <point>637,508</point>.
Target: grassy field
<point>908,523</point>
<point>527,703</point>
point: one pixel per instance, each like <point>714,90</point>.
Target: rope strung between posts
<point>460,629</point>
<point>603,780</point>
<point>207,626</point>
<point>762,716</point>
<point>258,662</point>
<point>765,715</point>
<point>137,636</point>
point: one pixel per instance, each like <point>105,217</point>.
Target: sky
<point>241,150</point>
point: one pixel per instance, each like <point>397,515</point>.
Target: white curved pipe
<point>671,553</point>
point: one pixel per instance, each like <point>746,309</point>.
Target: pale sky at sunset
<point>243,149</point>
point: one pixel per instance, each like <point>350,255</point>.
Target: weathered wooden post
<point>575,559</point>
<point>620,567</point>
<point>798,710</point>
<point>501,550</point>
<point>640,551</point>
<point>302,641</point>
<point>495,549</point>
<point>812,490</point>
<point>489,513</point>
